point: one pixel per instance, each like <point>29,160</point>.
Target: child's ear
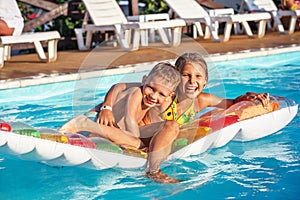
<point>144,79</point>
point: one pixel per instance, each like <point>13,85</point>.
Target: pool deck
<point>26,70</point>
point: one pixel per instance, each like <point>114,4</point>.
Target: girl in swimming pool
<point>188,101</point>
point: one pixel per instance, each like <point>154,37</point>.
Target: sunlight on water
<point>262,169</point>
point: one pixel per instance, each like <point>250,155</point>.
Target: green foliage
<point>60,1</point>
<point>64,24</point>
<point>154,6</point>
<point>26,10</point>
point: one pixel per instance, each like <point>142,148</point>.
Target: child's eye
<point>199,76</point>
<point>185,75</point>
<point>149,87</point>
<point>162,95</point>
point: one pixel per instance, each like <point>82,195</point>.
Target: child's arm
<point>105,115</point>
<point>133,112</point>
<point>209,100</point>
<point>264,98</point>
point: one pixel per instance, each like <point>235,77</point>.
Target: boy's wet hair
<point>169,74</point>
<point>192,57</point>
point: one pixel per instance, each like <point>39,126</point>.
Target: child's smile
<point>155,92</point>
<point>193,80</point>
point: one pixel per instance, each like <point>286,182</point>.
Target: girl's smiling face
<point>193,80</point>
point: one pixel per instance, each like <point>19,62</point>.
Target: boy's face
<point>155,91</point>
<point>192,80</point>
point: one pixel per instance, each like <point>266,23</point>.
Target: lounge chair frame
<point>269,6</point>
<point>51,37</point>
<point>106,15</point>
<point>193,13</point>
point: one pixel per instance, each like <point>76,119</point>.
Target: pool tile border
<point>55,78</point>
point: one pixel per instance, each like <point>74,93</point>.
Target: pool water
<point>268,168</point>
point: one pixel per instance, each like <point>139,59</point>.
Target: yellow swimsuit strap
<point>294,6</point>
<point>187,116</point>
<point>171,113</point>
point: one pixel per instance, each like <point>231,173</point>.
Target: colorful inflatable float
<point>244,121</point>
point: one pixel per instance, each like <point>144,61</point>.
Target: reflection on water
<point>265,168</point>
<point>256,165</point>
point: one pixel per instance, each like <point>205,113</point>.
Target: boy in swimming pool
<point>131,109</point>
<point>189,100</point>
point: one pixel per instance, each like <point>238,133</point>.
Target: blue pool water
<point>268,168</point>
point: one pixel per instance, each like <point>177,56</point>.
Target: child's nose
<point>154,95</point>
<point>192,79</point>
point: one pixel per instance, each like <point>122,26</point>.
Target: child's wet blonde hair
<point>192,57</point>
<point>168,73</point>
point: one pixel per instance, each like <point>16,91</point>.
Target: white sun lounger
<point>269,6</point>
<point>51,37</point>
<point>194,13</point>
<point>106,15</point>
<point>149,36</point>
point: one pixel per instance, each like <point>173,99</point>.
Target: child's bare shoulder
<point>133,93</point>
<point>130,91</point>
<point>136,92</point>
<point>204,96</point>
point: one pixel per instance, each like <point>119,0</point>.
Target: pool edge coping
<point>63,77</point>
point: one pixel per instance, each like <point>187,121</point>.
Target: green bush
<point>154,6</point>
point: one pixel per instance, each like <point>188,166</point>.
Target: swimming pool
<point>265,168</point>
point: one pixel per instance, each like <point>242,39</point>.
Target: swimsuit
<point>293,7</point>
<point>171,113</point>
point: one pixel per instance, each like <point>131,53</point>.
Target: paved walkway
<point>102,57</point>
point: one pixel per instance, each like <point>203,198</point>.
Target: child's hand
<point>264,98</point>
<point>106,118</point>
